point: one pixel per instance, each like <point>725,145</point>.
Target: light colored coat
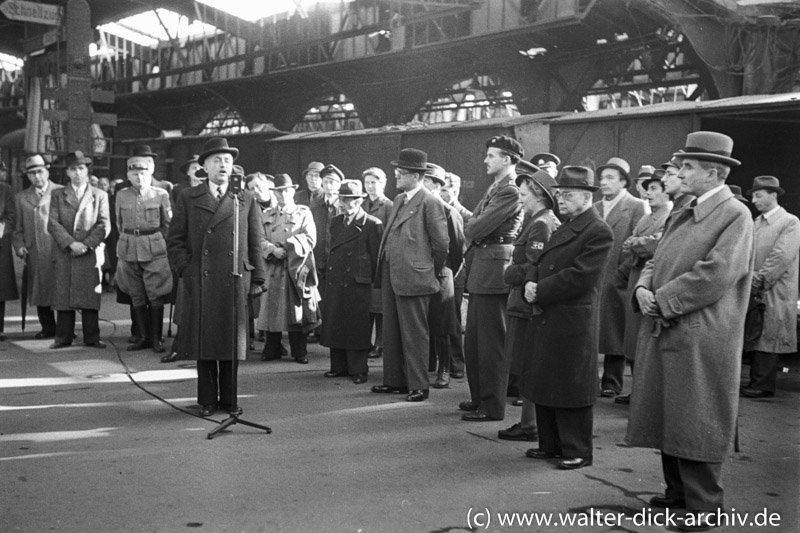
<point>30,232</point>
<point>777,242</point>
<point>622,219</point>
<point>685,395</point>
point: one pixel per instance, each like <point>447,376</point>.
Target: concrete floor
<point>83,450</point>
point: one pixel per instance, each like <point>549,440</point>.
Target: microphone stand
<point>236,192</point>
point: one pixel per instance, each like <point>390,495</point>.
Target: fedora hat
<point>770,183</point>
<point>524,167</point>
<point>646,171</point>
<point>655,178</point>
<point>709,146</point>
<point>574,177</point>
<point>543,180</point>
<point>507,144</point>
<point>619,164</point>
<point>436,173</point>
<point>351,189</point>
<point>185,166</point>
<point>315,166</point>
<point>35,161</point>
<point>74,159</point>
<point>142,150</point>
<point>674,162</point>
<point>737,193</point>
<point>216,145</point>
<point>333,172</point>
<point>411,159</point>
<point>284,181</point>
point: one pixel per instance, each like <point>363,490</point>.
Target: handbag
<point>754,320</point>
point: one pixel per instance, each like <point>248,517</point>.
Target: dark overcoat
<point>200,251</point>
<point>8,280</point>
<point>352,263</point>
<point>85,220</point>
<point>562,370</point>
<point>379,208</point>
<point>442,319</point>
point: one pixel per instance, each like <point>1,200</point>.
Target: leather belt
<point>137,232</point>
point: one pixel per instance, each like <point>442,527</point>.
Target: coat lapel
<point>351,232</point>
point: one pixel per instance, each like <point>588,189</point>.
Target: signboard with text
<point>35,12</point>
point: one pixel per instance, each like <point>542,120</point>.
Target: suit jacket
<point>379,208</point>
<point>415,244</point>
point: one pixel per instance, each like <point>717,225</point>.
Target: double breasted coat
<point>379,208</point>
<point>685,395</point>
<point>8,217</point>
<point>613,298</point>
<point>85,220</point>
<point>562,369</point>
<point>352,267</point>
<point>777,254</point>
<point>33,212</point>
<point>200,251</point>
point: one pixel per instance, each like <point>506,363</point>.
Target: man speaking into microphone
<point>200,246</point>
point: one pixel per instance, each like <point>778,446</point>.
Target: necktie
<point>220,193</point>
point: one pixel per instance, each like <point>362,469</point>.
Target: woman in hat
<point>291,302</point>
<point>352,259</point>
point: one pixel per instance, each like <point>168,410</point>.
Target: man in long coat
<point>693,294</point>
<point>200,250</point>
<point>622,211</point>
<point>8,280</point>
<point>33,243</point>
<point>777,254</point>
<point>79,223</point>
<point>561,373</point>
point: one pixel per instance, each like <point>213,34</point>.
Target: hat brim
<point>282,187</point>
<point>146,154</point>
<point>621,170</point>
<point>205,155</point>
<point>184,167</point>
<point>362,195</point>
<point>400,164</point>
<point>646,183</point>
<point>590,188</point>
<point>706,156</point>
<point>34,167</point>
<point>778,190</point>
<point>84,161</point>
<point>545,188</point>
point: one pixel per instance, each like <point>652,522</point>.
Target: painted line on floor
<point>57,436</point>
<point>146,376</point>
<point>104,404</point>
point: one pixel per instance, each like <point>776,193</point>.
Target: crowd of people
<point>659,272</point>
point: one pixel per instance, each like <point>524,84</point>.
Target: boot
<point>143,321</point>
<point>157,327</point>
<point>443,376</point>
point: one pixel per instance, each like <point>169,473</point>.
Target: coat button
<point>552,267</point>
<point>209,231</point>
<point>205,252</point>
<point>205,272</point>
<point>230,253</point>
<point>330,268</point>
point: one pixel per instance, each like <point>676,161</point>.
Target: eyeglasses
<point>403,172</point>
<point>566,195</point>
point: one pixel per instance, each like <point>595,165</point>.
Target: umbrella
<point>24,296</point>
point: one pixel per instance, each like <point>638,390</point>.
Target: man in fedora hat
<point>8,280</point>
<point>189,168</point>
<point>412,253</point>
<point>645,173</point>
<point>313,183</point>
<point>622,211</point>
<point>79,223</point>
<point>143,214</point>
<point>693,295</point>
<point>32,242</point>
<point>491,232</point>
<point>355,238</point>
<point>777,256</point>
<point>561,377</point>
<point>200,247</point>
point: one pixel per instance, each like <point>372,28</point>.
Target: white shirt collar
<point>79,191</point>
<point>770,213</point>
<point>216,188</point>
<point>608,205</point>
<point>708,194</point>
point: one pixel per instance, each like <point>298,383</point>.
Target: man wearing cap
<point>491,231</point>
<point>79,222</point>
<point>622,212</point>
<point>8,280</point>
<point>200,250</point>
<point>693,295</point>
<point>32,242</point>
<point>645,173</point>
<point>413,251</point>
<point>777,256</point>
<point>352,268</point>
<point>546,162</point>
<point>442,317</point>
<point>143,214</point>
<point>189,168</point>
<point>561,374</point>
<point>313,182</point>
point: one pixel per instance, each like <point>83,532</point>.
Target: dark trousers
<point>2,316</point>
<point>764,371</point>
<point>65,326</point>
<point>457,339</point>
<point>695,482</point>
<point>298,344</point>
<point>406,338</point>
<point>484,349</point>
<point>566,432</point>
<point>217,383</point>
<point>47,318</point>
<point>613,372</point>
<point>351,362</point>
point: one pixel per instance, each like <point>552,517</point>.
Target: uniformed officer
<point>143,216</point>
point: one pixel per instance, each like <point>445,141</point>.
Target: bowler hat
<point>737,193</point>
<point>646,171</point>
<point>545,159</point>
<point>770,183</point>
<point>315,166</point>
<point>411,159</point>
<point>507,144</point>
<point>436,173</point>
<point>186,164</point>
<point>35,161</point>
<point>619,164</point>
<point>142,150</point>
<point>543,180</point>
<point>332,171</point>
<point>351,189</point>
<point>74,159</point>
<point>284,181</point>
<point>216,145</point>
<point>674,162</point>
<point>655,178</point>
<point>709,146</point>
<point>574,177</point>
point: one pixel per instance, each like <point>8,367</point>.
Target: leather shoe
<point>457,374</point>
<point>608,393</point>
<point>97,344</point>
<point>517,403</point>
<point>358,379</point>
<point>234,411</point>
<point>386,389</point>
<point>624,400</point>
<point>44,335</point>
<point>666,501</point>
<point>574,463</point>
<point>755,393</point>
<point>301,360</point>
<point>332,374</point>
<point>375,353</point>
<point>58,344</point>
<point>468,405</point>
<point>417,395</point>
<point>171,358</point>
<point>477,416</point>
<point>516,432</point>
<point>207,410</point>
<point>536,453</point>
